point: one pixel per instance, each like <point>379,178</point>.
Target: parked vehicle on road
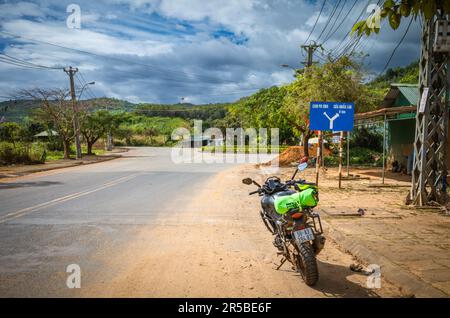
<point>287,212</point>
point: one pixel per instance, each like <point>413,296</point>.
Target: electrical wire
<point>88,87</point>
<point>335,20</point>
<point>23,64</point>
<point>29,63</point>
<point>397,46</point>
<point>329,19</point>
<point>315,23</point>
<point>342,22</point>
<point>347,34</point>
<point>187,75</point>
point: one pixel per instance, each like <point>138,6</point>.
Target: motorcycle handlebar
<point>293,182</point>
<point>254,192</point>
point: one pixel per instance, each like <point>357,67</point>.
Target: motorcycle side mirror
<point>302,166</point>
<point>247,181</point>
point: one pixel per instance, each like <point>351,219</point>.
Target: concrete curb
<point>410,283</point>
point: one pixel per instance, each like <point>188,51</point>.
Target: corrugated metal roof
<point>46,134</point>
<point>410,92</point>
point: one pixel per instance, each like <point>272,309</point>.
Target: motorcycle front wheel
<point>307,264</point>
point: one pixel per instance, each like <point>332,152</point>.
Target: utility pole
<point>109,140</point>
<point>310,49</point>
<point>430,145</point>
<point>71,72</point>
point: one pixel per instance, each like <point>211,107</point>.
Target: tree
<point>262,110</point>
<point>337,81</point>
<point>395,10</point>
<point>10,132</point>
<point>55,110</point>
<point>29,128</point>
<point>93,126</point>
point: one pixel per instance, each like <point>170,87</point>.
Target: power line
<point>335,20</point>
<point>29,63</point>
<point>23,64</point>
<point>397,46</point>
<point>152,67</point>
<point>6,61</point>
<point>88,88</point>
<point>146,75</point>
<point>315,23</point>
<point>329,18</point>
<point>84,86</point>
<point>347,34</point>
<point>342,22</point>
<point>357,41</point>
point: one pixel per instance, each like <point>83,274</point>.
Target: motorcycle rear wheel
<point>307,264</point>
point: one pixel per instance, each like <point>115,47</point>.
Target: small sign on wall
<point>423,100</point>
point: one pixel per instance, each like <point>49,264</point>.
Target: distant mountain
<point>17,110</point>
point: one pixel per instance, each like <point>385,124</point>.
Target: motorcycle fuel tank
<point>267,201</point>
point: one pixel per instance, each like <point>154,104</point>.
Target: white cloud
<point>85,39</point>
<point>176,48</point>
<point>20,9</point>
<point>312,19</point>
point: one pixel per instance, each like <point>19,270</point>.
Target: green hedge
<point>22,153</point>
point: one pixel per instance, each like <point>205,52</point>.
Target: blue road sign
<point>335,116</point>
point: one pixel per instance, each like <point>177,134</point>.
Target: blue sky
<point>168,50</point>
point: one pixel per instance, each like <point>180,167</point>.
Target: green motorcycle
<point>287,212</point>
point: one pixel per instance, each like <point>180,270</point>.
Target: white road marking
<point>13,215</point>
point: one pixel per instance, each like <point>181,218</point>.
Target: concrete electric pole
<point>71,72</point>
<point>310,49</point>
<point>429,175</point>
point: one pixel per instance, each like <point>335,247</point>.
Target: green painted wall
<point>401,101</point>
<point>400,139</point>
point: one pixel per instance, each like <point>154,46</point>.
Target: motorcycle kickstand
<point>283,260</point>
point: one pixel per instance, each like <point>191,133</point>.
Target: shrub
<point>22,153</point>
<point>6,153</point>
<point>365,138</point>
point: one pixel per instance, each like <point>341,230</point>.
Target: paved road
<point>81,215</point>
<point>144,226</point>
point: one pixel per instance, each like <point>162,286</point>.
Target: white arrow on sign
<point>331,119</point>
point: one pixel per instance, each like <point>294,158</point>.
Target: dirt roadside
<point>217,246</point>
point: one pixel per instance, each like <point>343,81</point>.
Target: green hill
<point>17,110</point>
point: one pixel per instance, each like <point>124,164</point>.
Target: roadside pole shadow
<point>12,185</point>
<point>333,282</point>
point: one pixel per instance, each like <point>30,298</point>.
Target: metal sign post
<point>340,158</point>
<point>384,150</point>
<point>348,154</point>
